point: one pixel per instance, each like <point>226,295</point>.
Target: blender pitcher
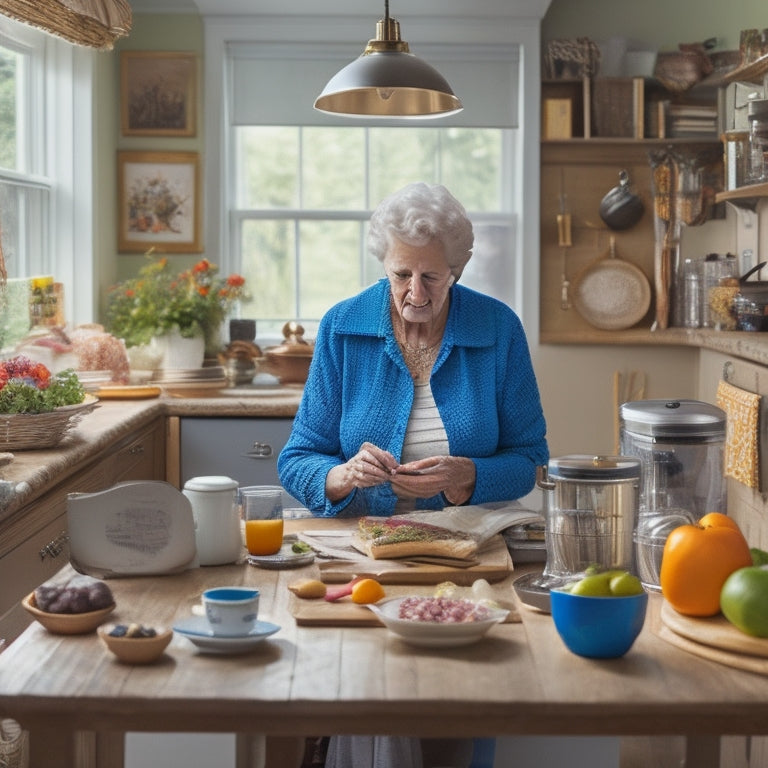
<point>681,448</point>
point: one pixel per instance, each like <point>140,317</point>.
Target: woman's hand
<point>453,476</point>
<point>368,467</point>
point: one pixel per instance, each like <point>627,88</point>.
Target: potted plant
<point>159,303</point>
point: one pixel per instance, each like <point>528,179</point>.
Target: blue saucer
<point>197,630</point>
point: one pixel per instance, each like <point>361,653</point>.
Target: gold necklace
<point>419,359</point>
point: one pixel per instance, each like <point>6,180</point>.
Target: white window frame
<point>59,156</point>
<point>434,30</point>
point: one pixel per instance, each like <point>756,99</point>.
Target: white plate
<point>197,630</point>
<point>285,558</point>
<point>431,634</point>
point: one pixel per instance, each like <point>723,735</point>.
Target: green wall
<point>151,32</point>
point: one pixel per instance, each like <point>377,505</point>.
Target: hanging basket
<point>14,744</point>
<point>90,23</point>
<point>27,431</point>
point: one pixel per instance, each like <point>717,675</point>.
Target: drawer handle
<point>136,449</point>
<point>55,547</point>
<point>259,451</point>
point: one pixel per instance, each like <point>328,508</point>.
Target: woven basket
<point>26,431</point>
<point>13,745</point>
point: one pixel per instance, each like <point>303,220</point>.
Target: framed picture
<point>159,202</point>
<point>158,93</point>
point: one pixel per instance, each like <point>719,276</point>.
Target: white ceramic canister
<point>217,518</point>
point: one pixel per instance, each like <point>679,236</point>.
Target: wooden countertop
<point>520,679</point>
<point>32,472</point>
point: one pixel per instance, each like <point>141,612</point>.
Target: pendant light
<point>386,80</point>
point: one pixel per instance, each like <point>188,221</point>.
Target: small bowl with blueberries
<point>135,643</point>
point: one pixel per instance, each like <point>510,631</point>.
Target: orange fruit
<point>367,591</point>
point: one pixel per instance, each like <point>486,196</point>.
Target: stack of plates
<point>93,380</point>
<point>191,382</point>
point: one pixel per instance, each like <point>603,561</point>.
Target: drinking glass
<point>263,514</point>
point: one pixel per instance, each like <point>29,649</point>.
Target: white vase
<point>177,351</point>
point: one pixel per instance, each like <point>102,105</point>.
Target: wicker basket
<point>13,745</point>
<point>27,431</point>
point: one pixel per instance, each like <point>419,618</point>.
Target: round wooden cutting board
<point>715,631</point>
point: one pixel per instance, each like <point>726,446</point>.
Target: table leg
<point>702,751</point>
<point>258,751</point>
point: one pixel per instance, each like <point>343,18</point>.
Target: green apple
<point>613,583</point>
<point>625,584</point>
<point>595,585</point>
<point>744,600</point>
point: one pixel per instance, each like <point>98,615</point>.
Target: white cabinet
<point>241,448</point>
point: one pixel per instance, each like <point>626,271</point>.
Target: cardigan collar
<point>367,314</point>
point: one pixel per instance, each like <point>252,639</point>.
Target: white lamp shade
<point>388,84</point>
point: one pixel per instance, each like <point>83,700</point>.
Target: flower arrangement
<point>195,301</point>
<point>30,387</point>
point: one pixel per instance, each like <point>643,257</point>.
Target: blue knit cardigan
<point>359,389</point>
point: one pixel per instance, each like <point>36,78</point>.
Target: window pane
<point>471,162</point>
<point>268,267</point>
<point>267,167</point>
<point>329,265</point>
<point>23,229</point>
<point>8,107</point>
<point>333,168</point>
<point>400,156</point>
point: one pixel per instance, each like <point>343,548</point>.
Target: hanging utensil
<point>564,241</point>
<point>621,208</point>
<point>610,293</point>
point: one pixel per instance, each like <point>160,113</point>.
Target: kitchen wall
<point>576,381</point>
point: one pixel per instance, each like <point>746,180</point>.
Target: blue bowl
<point>598,627</point>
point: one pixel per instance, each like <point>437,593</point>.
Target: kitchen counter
<point>327,679</point>
<point>32,473</point>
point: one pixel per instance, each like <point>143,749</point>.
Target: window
<point>303,196</point>
<point>298,187</point>
<point>45,177</point>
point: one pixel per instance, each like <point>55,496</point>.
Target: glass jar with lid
<point>757,116</point>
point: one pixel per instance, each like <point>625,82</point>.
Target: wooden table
<point>76,700</point>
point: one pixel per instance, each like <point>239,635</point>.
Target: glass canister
<point>681,447</point>
<point>757,118</point>
<point>715,269</point>
<point>590,514</point>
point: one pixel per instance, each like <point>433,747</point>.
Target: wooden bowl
<point>136,650</point>
<point>67,623</point>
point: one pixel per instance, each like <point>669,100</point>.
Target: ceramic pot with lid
<point>591,508</point>
<point>217,518</point>
<point>290,360</point>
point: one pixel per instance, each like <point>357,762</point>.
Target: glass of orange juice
<point>263,514</point>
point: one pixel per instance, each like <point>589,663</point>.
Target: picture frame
<point>158,93</point>
<point>159,202</point>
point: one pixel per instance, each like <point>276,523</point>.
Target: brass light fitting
<point>387,80</point>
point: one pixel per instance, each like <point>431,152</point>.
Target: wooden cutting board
<point>494,564</point>
<point>345,613</point>
<point>715,639</point>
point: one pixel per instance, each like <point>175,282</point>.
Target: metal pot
<point>591,512</point>
<point>621,208</point>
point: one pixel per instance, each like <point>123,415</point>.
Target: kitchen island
<point>520,679</point>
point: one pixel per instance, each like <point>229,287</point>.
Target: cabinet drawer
<point>27,566</point>
<point>142,457</point>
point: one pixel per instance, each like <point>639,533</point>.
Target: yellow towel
<point>742,445</point>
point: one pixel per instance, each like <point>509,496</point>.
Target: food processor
<point>681,448</point>
<point>590,511</point>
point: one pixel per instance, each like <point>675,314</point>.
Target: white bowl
<point>435,634</point>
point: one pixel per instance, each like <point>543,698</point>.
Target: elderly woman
<point>421,392</point>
